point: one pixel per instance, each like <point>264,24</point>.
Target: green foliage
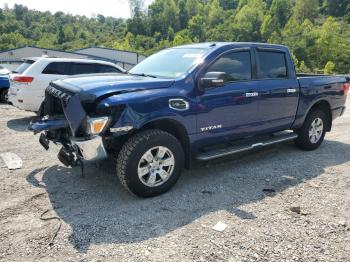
<point>329,68</point>
<point>302,68</point>
<point>282,10</point>
<point>336,7</point>
<point>314,37</point>
<point>306,9</point>
<point>20,26</point>
<point>316,31</point>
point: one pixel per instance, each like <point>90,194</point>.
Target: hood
<point>94,86</point>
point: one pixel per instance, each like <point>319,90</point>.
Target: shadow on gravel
<point>20,124</point>
<point>100,211</point>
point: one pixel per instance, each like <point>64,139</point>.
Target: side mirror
<point>213,79</point>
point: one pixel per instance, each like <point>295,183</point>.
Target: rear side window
<point>57,68</point>
<point>82,68</point>
<point>107,69</point>
<point>24,66</point>
<point>236,65</point>
<point>272,65</point>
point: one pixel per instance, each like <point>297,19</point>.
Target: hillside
<point>317,31</point>
<point>20,26</point>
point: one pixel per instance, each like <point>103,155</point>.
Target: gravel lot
<point>100,221</point>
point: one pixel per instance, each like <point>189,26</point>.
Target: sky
<point>115,8</point>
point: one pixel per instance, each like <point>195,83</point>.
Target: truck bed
<point>315,88</point>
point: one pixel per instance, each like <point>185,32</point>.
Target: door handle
<point>251,94</point>
<point>291,90</point>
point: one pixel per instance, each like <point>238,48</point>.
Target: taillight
<point>346,88</point>
<point>22,79</point>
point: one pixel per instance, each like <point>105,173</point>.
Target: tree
<point>20,11</point>
<point>329,68</point>
<point>229,4</point>
<point>306,9</point>
<point>196,27</point>
<point>269,26</point>
<point>248,21</point>
<point>60,37</point>
<point>315,38</point>
<point>303,68</point>
<point>336,7</point>
<point>282,10</point>
<point>215,12</point>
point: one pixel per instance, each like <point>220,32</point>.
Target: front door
<point>229,110</point>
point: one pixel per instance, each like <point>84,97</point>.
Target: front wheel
<point>150,163</point>
<point>311,134</point>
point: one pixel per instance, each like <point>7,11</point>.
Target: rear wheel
<point>150,163</point>
<point>311,134</point>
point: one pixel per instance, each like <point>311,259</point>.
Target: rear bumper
<point>338,112</point>
<point>22,100</point>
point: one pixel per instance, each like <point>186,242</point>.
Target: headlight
<point>96,125</point>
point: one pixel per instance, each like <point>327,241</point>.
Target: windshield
<point>170,63</point>
<point>23,67</point>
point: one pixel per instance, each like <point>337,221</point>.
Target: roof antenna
<point>212,45</point>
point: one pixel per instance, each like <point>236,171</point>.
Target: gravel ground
<point>302,215</point>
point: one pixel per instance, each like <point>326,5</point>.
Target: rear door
<point>91,68</point>
<point>278,89</point>
<point>82,68</point>
<point>53,71</point>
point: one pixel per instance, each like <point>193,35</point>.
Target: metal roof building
<point>125,59</point>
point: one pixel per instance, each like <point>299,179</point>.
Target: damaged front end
<point>64,122</point>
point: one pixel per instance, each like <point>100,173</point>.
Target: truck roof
<point>208,45</point>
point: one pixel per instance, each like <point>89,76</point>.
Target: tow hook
<point>44,141</point>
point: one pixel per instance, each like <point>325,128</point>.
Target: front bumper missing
<point>73,153</point>
<point>90,149</point>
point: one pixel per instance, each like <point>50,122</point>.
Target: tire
<point>132,161</point>
<point>309,138</point>
<point>3,96</point>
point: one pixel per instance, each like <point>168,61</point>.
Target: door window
<point>24,66</point>
<point>272,65</point>
<point>107,69</point>
<point>236,65</point>
<point>82,68</point>
<point>57,68</point>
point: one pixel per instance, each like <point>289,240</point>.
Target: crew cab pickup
<point>194,102</point>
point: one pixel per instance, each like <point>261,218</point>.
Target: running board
<point>267,141</point>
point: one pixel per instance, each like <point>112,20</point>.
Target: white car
<point>4,71</point>
<point>30,79</point>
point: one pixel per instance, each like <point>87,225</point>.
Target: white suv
<point>30,79</point>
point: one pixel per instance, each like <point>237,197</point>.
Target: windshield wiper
<point>142,74</point>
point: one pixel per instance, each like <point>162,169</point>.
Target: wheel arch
<point>325,106</point>
<point>177,130</point>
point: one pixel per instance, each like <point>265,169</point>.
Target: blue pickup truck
<point>193,102</point>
